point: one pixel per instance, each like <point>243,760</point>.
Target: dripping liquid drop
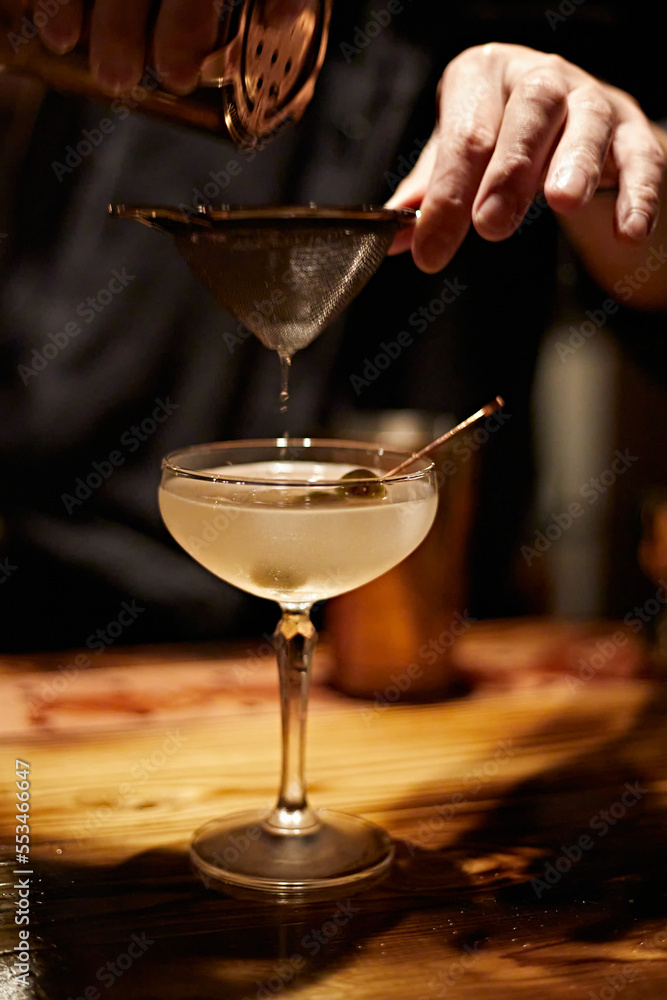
<point>285,363</point>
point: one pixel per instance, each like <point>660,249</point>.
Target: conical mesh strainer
<point>285,272</point>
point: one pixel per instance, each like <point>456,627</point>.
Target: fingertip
<point>636,226</point>
<point>178,79</point>
<point>497,217</point>
<point>406,196</point>
<point>428,268</point>
<point>401,242</point>
<point>115,75</point>
<point>60,27</point>
<point>59,46</point>
<point>432,253</point>
<point>571,183</point>
<point>436,238</point>
<point>60,38</point>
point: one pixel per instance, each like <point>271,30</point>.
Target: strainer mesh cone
<point>283,272</point>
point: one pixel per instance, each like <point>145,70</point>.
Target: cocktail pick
<point>485,411</point>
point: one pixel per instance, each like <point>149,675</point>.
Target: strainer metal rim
<point>208,217</point>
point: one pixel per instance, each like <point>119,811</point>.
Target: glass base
<point>243,855</point>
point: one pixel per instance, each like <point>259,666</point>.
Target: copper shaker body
<point>392,638</point>
<point>259,79</point>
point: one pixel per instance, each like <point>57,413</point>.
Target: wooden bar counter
<point>530,830</point>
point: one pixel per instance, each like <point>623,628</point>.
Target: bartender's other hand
<point>512,122</point>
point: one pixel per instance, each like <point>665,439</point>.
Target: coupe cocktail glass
<point>277,519</point>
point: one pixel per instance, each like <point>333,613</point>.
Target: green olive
<point>310,498</point>
<point>361,489</point>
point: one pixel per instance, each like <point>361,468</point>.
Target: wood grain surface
<point>530,829</point>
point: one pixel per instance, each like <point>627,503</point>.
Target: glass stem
<point>294,641</point>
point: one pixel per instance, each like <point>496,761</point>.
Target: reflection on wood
<point>530,829</point>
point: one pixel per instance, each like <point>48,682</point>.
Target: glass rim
<point>169,461</point>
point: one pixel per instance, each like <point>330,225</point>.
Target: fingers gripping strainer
<point>285,272</point>
<point>260,78</point>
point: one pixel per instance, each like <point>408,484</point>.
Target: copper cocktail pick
<point>485,411</point>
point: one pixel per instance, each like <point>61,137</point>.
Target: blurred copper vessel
<point>393,638</point>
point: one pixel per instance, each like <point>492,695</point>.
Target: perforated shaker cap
<point>271,54</point>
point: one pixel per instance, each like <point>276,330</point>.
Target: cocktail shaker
<point>393,638</point>
<point>260,78</point>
